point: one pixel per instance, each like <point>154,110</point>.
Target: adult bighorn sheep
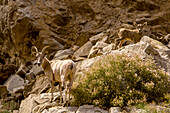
<point>59,71</point>
<point>132,35</point>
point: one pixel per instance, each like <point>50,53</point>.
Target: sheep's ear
<point>134,23</point>
<point>145,23</point>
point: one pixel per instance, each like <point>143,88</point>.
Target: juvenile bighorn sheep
<point>59,71</point>
<point>132,35</point>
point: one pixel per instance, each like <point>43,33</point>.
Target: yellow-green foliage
<point>119,80</point>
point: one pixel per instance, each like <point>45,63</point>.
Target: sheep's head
<point>40,55</point>
<point>139,26</point>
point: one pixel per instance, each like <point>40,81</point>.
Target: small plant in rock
<point>119,80</point>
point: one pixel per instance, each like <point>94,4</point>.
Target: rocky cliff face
<point>78,28</point>
<point>63,23</point>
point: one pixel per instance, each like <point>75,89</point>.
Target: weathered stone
<point>86,109</point>
<point>36,103</point>
<point>3,91</point>
<point>54,44</point>
<point>115,110</point>
<point>15,111</point>
<point>90,109</point>
<point>61,110</point>
<point>14,81</point>
<point>75,48</point>
<point>39,85</point>
<point>108,48</point>
<point>6,71</point>
<point>77,59</point>
<point>96,38</point>
<point>84,50</point>
<point>18,89</point>
<point>63,54</point>
<point>85,65</point>
<point>99,110</point>
<point>97,49</point>
<point>28,104</point>
<point>37,70</point>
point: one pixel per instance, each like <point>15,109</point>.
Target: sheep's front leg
<point>121,43</point>
<point>51,84</point>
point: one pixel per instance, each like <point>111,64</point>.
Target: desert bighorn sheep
<point>59,71</point>
<point>132,35</point>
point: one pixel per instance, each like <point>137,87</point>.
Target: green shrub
<point>119,80</point>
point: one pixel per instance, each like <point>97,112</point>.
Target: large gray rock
<point>6,71</point>
<point>39,85</point>
<point>97,49</point>
<point>37,70</point>
<point>84,50</point>
<point>90,109</point>
<point>61,110</point>
<point>84,66</point>
<point>115,110</point>
<point>108,48</point>
<point>36,103</point>
<point>96,38</point>
<point>14,81</point>
<point>63,54</point>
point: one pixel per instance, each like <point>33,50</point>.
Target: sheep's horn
<point>33,47</point>
<point>43,50</point>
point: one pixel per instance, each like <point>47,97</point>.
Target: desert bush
<point>119,80</point>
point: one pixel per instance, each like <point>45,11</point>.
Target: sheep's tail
<point>71,66</point>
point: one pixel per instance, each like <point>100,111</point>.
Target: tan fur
<point>131,35</point>
<point>59,71</point>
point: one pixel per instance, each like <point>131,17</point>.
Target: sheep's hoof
<point>66,104</point>
<point>51,100</point>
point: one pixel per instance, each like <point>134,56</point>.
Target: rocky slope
<point>77,29</point>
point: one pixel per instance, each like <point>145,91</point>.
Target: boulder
<point>96,38</point>
<point>28,104</point>
<point>90,109</point>
<point>100,37</point>
<point>97,49</point>
<point>37,70</point>
<point>63,54</point>
<point>39,85</point>
<point>84,66</point>
<point>6,71</point>
<point>115,110</point>
<point>14,81</point>
<point>61,110</point>
<point>84,50</point>
<point>36,103</point>
<point>108,48</point>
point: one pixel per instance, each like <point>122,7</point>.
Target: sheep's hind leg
<point>61,97</point>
